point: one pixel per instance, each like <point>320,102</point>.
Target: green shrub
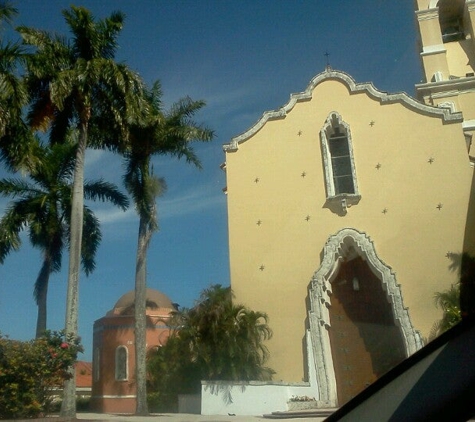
<point>82,404</point>
<point>216,340</point>
<point>160,402</point>
<point>29,371</point>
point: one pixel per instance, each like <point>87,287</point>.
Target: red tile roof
<point>83,374</point>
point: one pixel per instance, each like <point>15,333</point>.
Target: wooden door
<point>365,341</point>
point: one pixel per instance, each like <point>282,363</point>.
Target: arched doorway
<point>359,327</point>
<point>364,338</point>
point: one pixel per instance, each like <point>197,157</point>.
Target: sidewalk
<point>182,417</point>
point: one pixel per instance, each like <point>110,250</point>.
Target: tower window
<point>451,20</point>
<point>121,363</point>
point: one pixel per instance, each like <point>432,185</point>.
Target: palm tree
<point>161,133</point>
<point>214,340</point>
<point>449,302</point>
<point>227,338</point>
<point>42,206</point>
<point>78,84</point>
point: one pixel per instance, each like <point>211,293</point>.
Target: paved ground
<point>181,417</point>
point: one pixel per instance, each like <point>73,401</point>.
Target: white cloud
<point>184,203</point>
<point>93,156</point>
<point>115,216</point>
<point>190,202</point>
<point>103,164</point>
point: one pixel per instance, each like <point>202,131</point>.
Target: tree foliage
<point>449,302</point>
<point>458,301</point>
<point>74,91</point>
<point>29,371</point>
<point>41,205</point>
<point>17,143</point>
<point>214,340</point>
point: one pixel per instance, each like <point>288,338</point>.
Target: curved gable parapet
<point>355,88</point>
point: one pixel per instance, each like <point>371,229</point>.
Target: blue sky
<point>241,57</point>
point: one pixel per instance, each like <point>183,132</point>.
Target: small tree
<point>30,371</point>
<point>214,340</point>
<point>449,302</point>
<point>458,301</point>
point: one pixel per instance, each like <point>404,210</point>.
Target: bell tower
<point>446,29</point>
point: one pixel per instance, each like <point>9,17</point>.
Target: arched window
<point>340,174</point>
<point>451,20</point>
<point>121,363</point>
<point>96,364</point>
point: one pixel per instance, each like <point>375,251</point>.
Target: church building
<point>349,207</point>
<point>113,374</point>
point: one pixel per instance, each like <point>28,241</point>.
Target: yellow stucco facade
<point>292,229</point>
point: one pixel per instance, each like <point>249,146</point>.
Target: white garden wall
<point>249,398</point>
<point>255,397</point>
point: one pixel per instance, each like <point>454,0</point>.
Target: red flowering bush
<point>29,371</point>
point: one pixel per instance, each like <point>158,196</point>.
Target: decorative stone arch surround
<point>345,245</point>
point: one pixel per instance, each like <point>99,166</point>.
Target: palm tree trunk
<point>41,297</point>
<point>68,406</point>
<point>141,318</point>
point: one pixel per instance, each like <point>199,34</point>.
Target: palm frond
<point>154,97</point>
<point>11,225</point>
<point>7,12</point>
<point>93,39</point>
<point>11,86</point>
<point>17,188</point>
<point>105,191</point>
<point>92,237</point>
<point>109,30</point>
<point>19,147</point>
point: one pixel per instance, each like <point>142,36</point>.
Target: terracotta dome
<point>155,300</point>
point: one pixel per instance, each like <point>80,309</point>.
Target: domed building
<point>113,384</point>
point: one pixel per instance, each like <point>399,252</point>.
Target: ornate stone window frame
<point>121,360</point>
<point>347,244</point>
<point>346,200</point>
